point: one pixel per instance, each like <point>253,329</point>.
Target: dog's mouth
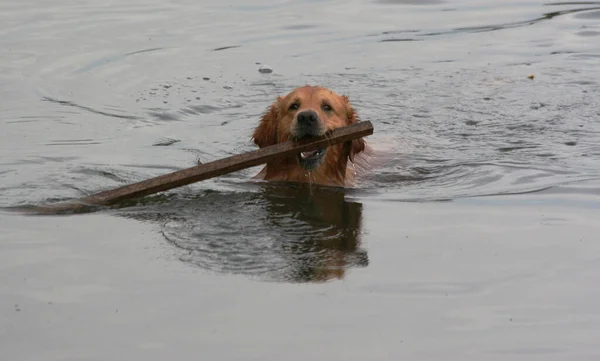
<point>311,159</point>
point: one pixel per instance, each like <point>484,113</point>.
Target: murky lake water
<point>476,238</point>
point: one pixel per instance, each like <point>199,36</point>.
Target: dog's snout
<point>308,118</point>
<point>308,123</point>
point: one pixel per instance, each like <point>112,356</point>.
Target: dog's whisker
<point>328,137</point>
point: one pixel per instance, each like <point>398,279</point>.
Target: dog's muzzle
<point>308,124</point>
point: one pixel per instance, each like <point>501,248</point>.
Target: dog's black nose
<point>308,118</point>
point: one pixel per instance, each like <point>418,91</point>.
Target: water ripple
<point>89,109</point>
<point>279,233</point>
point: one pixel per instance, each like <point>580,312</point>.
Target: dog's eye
<point>327,107</point>
<point>294,106</point>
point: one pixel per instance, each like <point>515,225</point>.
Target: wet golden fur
<point>279,121</point>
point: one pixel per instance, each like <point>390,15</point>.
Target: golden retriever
<point>309,111</point>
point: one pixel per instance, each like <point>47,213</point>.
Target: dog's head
<point>309,111</point>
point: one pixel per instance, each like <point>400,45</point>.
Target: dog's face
<point>309,111</point>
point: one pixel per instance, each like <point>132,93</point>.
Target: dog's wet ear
<point>358,145</point>
<point>351,114</point>
<point>266,132</point>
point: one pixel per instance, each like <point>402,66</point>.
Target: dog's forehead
<point>314,93</point>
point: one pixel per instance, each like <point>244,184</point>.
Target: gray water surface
<point>475,237</point>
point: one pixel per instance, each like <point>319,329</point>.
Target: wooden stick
<point>213,169</point>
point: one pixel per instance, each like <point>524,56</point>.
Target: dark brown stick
<point>214,168</point>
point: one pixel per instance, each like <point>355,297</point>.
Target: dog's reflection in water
<point>324,239</point>
<point>283,232</point>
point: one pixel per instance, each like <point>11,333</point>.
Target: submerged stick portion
<point>215,168</point>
